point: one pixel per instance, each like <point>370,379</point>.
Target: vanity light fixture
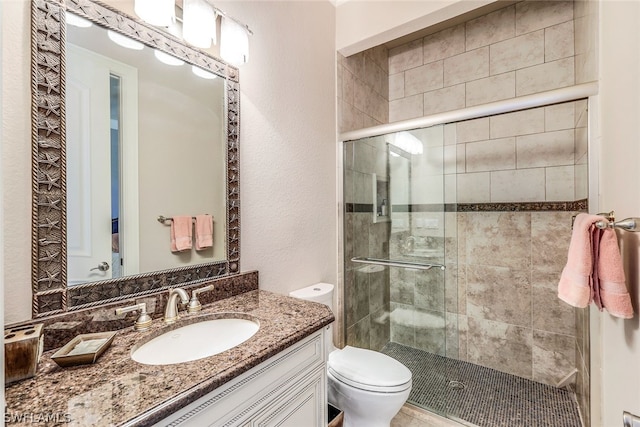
<point>199,23</point>
<point>161,13</point>
<point>166,58</point>
<point>124,41</point>
<point>77,21</point>
<point>202,73</point>
<point>234,42</point>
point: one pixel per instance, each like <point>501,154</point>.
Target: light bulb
<point>166,58</point>
<point>198,23</point>
<point>234,42</point>
<point>124,41</point>
<point>161,13</point>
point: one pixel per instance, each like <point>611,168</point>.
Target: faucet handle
<point>194,304</point>
<point>143,321</point>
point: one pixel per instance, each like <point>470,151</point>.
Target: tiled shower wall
<point>366,287</point>
<point>528,47</point>
<point>519,50</point>
<point>363,89</point>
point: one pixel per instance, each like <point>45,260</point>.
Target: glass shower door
<point>396,218</point>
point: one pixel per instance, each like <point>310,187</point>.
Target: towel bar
<point>163,219</point>
<point>628,224</point>
<point>392,263</point>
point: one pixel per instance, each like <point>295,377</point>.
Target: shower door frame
<point>587,91</point>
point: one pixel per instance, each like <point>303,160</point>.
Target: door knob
<point>103,266</point>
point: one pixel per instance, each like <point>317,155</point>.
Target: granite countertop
<point>118,391</point>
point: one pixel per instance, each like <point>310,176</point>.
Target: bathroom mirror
<point>172,136</point>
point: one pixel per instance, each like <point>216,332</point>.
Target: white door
<point>89,232</point>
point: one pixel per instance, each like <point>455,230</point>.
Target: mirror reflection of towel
<point>181,233</point>
<point>204,231</point>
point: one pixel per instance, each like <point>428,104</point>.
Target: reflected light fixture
<point>124,41</point>
<point>234,42</point>
<point>161,13</point>
<point>199,23</point>
<point>166,58</point>
<point>408,142</point>
<point>77,21</point>
<point>202,73</point>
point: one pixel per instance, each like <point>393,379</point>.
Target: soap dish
<point>83,349</point>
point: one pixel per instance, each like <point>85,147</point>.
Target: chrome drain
<point>457,385</point>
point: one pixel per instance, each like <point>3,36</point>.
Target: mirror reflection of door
<point>100,92</point>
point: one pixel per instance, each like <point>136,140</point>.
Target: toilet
<point>367,386</point>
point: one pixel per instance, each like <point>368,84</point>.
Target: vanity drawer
<point>239,401</point>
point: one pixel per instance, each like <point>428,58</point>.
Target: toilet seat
<point>368,370</point>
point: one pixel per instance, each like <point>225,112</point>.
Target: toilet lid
<point>368,370</point>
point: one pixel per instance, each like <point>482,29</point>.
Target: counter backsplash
<point>61,328</point>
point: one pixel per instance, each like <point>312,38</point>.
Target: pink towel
<point>204,232</point>
<point>181,233</point>
<point>612,285</point>
<point>594,272</point>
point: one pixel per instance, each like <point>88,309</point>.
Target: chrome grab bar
<point>397,263</point>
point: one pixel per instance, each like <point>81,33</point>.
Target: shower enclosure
<point>455,235</point>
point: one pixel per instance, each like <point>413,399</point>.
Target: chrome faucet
<point>171,310</point>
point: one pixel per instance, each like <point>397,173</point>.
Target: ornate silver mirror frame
<point>51,295</point>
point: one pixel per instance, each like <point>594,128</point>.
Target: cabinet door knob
<point>103,266</point>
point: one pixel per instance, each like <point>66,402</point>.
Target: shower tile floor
<point>482,396</point>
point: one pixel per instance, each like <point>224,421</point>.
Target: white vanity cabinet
<point>287,390</point>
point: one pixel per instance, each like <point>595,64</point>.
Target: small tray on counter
<point>83,349</point>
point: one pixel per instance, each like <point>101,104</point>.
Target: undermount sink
<point>195,341</point>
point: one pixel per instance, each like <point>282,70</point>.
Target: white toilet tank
<point>322,293</point>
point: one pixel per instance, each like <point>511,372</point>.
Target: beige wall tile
<point>540,78</point>
<point>375,77</point>
<point>348,86</point>
<point>558,41</point>
<point>405,57</point>
<point>517,123</point>
<point>519,52</point>
<point>491,155</point>
<point>450,192</point>
<point>423,79</point>
<point>396,86</point>
<point>339,82</point>
<point>450,159</point>
<point>550,313</point>
<point>355,63</point>
<point>472,130</point>
<point>445,99</point>
<point>405,108</point>
<point>380,54</point>
<point>473,187</point>
<point>350,118</point>
<point>370,102</point>
<point>443,44</point>
<point>560,183</point>
<point>499,239</point>
<point>467,66</point>
<point>491,28</point>
<point>490,89</point>
<point>461,161</point>
<point>499,293</point>
<point>523,185</point>
<point>546,149</point>
<point>553,356</point>
<point>581,181</point>
<point>497,345</point>
<point>550,236</point>
<point>582,145</point>
<point>533,15</point>
<point>559,116</point>
<point>450,134</point>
